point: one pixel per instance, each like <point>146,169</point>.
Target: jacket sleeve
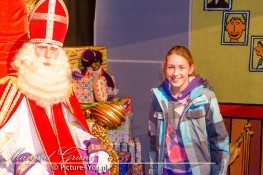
<point>155,110</point>
<point>217,137</point>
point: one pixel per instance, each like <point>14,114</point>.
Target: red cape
<point>11,98</point>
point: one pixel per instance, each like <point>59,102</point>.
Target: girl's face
<point>177,72</point>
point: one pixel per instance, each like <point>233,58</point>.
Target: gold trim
<point>7,104</point>
<point>12,106</point>
<point>11,78</point>
<point>7,97</point>
<point>101,133</point>
<point>5,93</point>
<point>24,165</point>
<point>93,147</point>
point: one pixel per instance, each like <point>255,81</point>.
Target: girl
<point>187,132</point>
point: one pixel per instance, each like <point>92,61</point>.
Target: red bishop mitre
<point>48,22</point>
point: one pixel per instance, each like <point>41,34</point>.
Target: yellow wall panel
<point>226,65</point>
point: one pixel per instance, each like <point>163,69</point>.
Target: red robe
<point>56,137</point>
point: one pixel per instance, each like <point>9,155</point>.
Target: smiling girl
<point>187,132</point>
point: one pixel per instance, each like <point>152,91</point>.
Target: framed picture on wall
<point>217,5</point>
<point>256,54</point>
<point>235,27</point>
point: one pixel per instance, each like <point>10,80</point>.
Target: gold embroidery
<point>7,103</point>
<point>24,165</point>
<point>11,78</point>
<point>5,93</point>
<point>13,105</point>
<point>95,147</point>
<point>101,133</point>
<point>7,96</point>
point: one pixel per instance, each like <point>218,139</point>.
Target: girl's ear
<point>192,68</point>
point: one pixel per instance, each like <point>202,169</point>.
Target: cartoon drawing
<point>259,52</point>
<point>256,54</point>
<point>218,5</point>
<point>235,28</point>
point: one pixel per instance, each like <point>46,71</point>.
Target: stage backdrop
<point>137,35</point>
<point>13,31</point>
<point>224,62</point>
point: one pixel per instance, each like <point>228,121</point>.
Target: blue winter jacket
<point>203,132</point>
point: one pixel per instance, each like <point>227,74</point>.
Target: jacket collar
<point>194,89</point>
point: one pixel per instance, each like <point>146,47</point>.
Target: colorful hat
<point>90,54</point>
<point>48,22</point>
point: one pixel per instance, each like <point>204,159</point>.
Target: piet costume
<point>91,61</point>
<point>88,58</point>
<point>52,139</point>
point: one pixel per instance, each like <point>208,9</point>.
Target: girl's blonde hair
<point>181,51</point>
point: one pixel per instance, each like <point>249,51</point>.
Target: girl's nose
<point>175,72</point>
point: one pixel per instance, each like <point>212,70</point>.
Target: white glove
<point>103,161</point>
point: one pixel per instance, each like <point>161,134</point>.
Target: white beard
<point>46,85</point>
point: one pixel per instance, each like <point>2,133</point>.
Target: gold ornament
<point>106,115</point>
<point>30,4</point>
<point>109,115</point>
<point>101,133</point>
